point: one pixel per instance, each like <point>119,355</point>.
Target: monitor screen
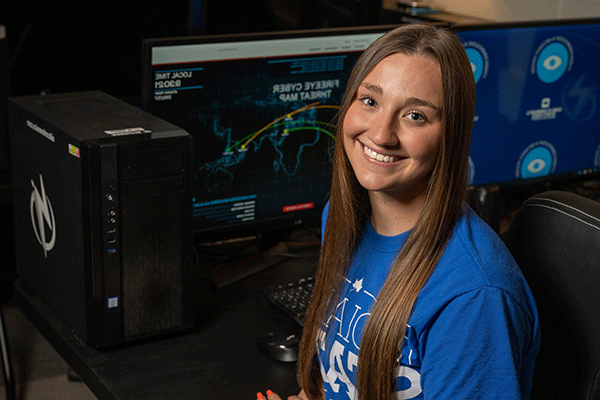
<point>537,113</point>
<point>261,111</point>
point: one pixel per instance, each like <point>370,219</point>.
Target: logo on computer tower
<point>42,217</point>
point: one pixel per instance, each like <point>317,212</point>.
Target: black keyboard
<point>292,297</point>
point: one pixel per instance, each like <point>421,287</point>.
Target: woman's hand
<point>273,396</point>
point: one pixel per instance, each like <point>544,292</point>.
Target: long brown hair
<point>349,207</point>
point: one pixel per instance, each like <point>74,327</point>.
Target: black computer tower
<point>102,207</point>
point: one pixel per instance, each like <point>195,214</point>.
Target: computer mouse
<point>280,346</point>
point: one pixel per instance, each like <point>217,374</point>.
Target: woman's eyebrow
<point>414,101</point>
<point>374,88</point>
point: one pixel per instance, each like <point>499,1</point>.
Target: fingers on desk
<point>274,396</point>
<point>270,396</point>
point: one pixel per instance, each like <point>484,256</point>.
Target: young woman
<point>415,297</point>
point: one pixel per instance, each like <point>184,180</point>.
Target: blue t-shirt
<point>473,333</point>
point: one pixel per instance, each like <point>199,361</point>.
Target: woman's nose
<point>385,131</point>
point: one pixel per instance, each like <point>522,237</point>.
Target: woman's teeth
<point>379,157</point>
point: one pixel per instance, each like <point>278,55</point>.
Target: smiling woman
<point>392,134</point>
<point>415,296</point>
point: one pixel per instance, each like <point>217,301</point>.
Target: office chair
<point>555,239</point>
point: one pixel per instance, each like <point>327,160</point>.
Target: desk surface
<point>217,359</point>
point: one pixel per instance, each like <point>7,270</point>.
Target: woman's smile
<point>373,155</point>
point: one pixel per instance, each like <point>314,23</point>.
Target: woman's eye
<point>416,116</point>
<point>368,101</point>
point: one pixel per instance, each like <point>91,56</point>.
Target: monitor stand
<point>236,261</point>
<point>245,266</point>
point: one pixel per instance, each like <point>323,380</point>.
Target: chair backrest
<point>555,239</point>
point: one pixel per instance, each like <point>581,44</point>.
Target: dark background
<point>60,46</point>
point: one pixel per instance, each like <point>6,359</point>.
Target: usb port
<point>111,251</point>
<point>111,230</point>
<point>111,241</point>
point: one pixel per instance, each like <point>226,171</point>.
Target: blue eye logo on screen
<point>476,63</point>
<point>538,159</point>
<point>478,58</point>
<point>553,60</point>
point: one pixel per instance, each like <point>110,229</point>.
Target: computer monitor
<point>261,111</point>
<point>537,116</point>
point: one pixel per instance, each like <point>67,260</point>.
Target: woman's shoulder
<point>474,240</point>
<point>475,259</point>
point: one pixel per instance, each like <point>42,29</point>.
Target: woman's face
<point>393,128</point>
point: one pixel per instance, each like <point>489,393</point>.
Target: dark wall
<point>59,46</point>
<point>64,46</point>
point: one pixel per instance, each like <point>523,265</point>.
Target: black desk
<point>217,359</point>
